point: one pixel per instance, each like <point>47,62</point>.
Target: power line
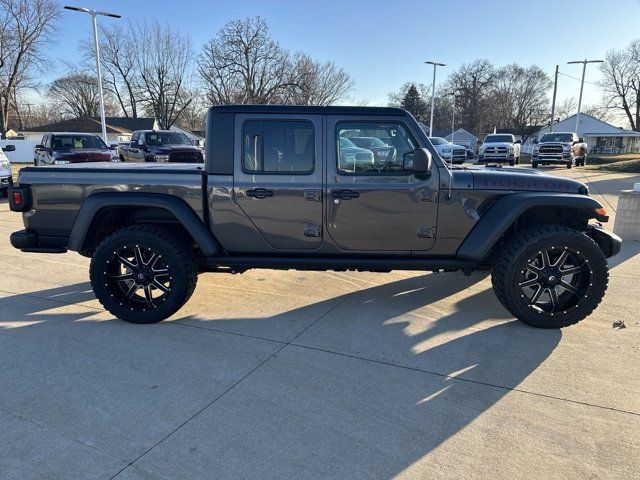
<point>575,78</point>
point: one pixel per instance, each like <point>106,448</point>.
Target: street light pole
<point>94,13</point>
<point>584,69</point>
<point>433,92</point>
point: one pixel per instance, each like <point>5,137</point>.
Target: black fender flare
<point>183,213</point>
<point>506,210</point>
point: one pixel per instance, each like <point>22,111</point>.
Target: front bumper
<point>609,242</point>
<point>29,241</point>
<point>6,182</point>
<point>551,159</point>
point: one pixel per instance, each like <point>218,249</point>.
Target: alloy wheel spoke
<point>138,256</point>
<point>530,283</point>
<point>536,296</point>
<point>160,285</point>
<point>126,263</point>
<point>554,296</point>
<point>561,259</point>
<point>531,267</point>
<point>132,290</point>
<point>570,270</point>
<point>568,287</point>
<point>545,258</point>
<point>147,293</point>
<point>123,277</point>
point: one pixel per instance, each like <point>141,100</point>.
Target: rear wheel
<point>551,276</point>
<point>143,273</point>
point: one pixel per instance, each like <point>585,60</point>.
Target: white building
<point>601,137</point>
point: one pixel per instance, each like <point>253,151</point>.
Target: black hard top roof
<point>309,110</point>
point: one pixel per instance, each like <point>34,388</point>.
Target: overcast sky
<point>383,44</point>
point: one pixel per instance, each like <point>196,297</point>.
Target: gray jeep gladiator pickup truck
<point>281,189</point>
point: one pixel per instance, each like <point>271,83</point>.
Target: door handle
<point>259,193</point>
<point>345,194</point>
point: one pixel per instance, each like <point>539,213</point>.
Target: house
<point>459,137</point>
<point>118,128</point>
<point>601,137</point>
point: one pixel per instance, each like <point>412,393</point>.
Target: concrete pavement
<point>314,375</point>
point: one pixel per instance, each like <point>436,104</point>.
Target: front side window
<point>278,147</point>
<point>373,148</point>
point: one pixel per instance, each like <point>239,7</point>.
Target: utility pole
<point>584,69</point>
<point>433,92</point>
<point>453,114</point>
<point>553,102</point>
<point>94,13</point>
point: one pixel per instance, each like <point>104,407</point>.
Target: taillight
<point>20,198</point>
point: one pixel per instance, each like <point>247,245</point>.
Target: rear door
<point>373,202</point>
<point>278,172</point>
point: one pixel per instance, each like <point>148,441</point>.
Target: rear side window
<point>278,147</point>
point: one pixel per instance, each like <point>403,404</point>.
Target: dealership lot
<point>315,375</point>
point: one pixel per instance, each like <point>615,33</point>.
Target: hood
<point>497,144</point>
<point>83,155</point>
<point>166,149</point>
<point>523,179</point>
<point>449,145</point>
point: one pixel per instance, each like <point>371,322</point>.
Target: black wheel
<point>551,276</point>
<point>569,165</point>
<point>534,164</point>
<point>511,164</point>
<point>143,273</point>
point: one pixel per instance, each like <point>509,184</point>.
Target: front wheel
<point>551,276</point>
<point>143,273</point>
<point>534,164</point>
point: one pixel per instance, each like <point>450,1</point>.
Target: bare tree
<point>243,64</point>
<point>77,95</point>
<point>621,82</point>
<point>519,98</point>
<point>164,64</point>
<point>316,83</point>
<point>194,114</point>
<point>118,53</point>
<point>25,27</point>
<point>472,84</point>
<point>566,108</point>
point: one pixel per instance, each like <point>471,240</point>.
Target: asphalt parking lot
<point>315,375</point>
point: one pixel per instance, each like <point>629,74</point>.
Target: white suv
<point>6,180</point>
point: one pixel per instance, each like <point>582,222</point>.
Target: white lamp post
<point>94,13</point>
<point>433,92</point>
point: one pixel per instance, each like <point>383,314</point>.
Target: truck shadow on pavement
<point>376,392</point>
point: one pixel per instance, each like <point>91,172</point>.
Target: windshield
<point>368,142</point>
<point>498,138</point>
<point>557,137</point>
<point>77,142</point>
<point>438,141</point>
<point>346,143</point>
<point>166,138</point>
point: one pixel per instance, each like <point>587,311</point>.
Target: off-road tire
<point>512,263</point>
<point>176,254</point>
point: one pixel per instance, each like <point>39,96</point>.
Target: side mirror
<point>419,161</point>
<point>581,140</point>
<point>113,146</point>
<point>575,142</point>
<point>9,148</point>
<point>39,147</point>
<point>517,141</point>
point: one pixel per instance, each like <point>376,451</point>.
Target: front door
<point>278,178</point>
<point>373,202</point>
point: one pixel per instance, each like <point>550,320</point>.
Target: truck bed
<point>62,189</point>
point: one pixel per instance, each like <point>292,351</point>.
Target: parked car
<point>160,146</point>
<point>455,154</point>
<point>275,194</point>
<point>500,148</point>
<point>352,157</point>
<point>6,179</point>
<point>63,148</point>
<point>382,152</point>
<point>564,148</point>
